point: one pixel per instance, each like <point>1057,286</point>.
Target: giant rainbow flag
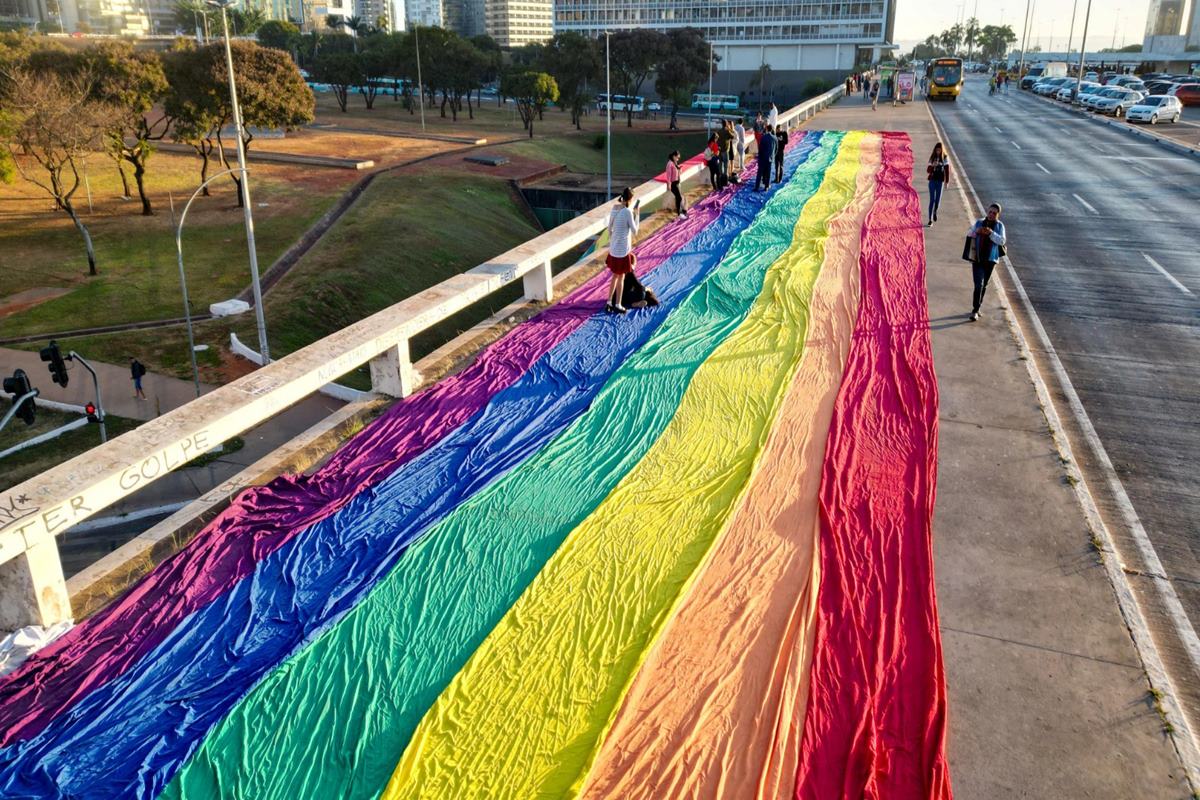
<point>685,552</point>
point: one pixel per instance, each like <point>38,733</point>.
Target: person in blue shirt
<point>990,239</point>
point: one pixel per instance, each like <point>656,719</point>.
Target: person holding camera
<point>622,225</point>
<point>985,246</point>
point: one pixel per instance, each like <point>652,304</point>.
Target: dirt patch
<point>29,298</point>
<point>518,168</point>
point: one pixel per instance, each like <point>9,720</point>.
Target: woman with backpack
<point>938,173</point>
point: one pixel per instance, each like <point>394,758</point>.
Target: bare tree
<point>53,122</point>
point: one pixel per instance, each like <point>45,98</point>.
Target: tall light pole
<point>247,212</point>
<point>1024,41</point>
<point>708,116</point>
<point>608,104</point>
<point>1083,47</point>
<point>1071,33</point>
<point>420,85</point>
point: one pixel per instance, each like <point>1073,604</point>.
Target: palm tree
<point>761,81</point>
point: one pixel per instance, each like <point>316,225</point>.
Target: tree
<point>54,121</point>
<point>761,82</point>
<point>340,71</point>
<point>134,83</point>
<point>686,66</point>
<point>271,93</point>
<point>994,41</point>
<point>634,55</point>
<point>493,62</point>
<point>572,58</point>
<point>244,21</point>
<point>530,90</point>
<point>372,67</point>
<point>280,34</point>
<point>971,34</point>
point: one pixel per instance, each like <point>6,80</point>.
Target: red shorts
<point>620,266</point>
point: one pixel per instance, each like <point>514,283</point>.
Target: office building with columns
<point>796,41</point>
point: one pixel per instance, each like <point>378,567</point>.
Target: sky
<point>1123,19</point>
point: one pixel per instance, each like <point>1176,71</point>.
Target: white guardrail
<point>32,589</point>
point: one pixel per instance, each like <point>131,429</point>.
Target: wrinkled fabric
<point>130,736</point>
<point>333,720</point>
<point>263,519</point>
<point>523,717</point>
<point>720,700</point>
<point>876,721</point>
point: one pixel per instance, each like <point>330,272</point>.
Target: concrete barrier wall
<point>32,514</point>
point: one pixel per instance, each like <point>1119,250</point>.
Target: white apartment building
<point>513,23</point>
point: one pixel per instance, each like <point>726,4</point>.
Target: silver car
<point>1156,108</point>
<point>1117,106</point>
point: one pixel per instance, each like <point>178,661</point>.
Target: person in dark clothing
<point>985,246</point>
<point>781,140</point>
<point>766,159</point>
<point>137,371</point>
<point>636,295</point>
<point>712,153</point>
<point>938,173</point>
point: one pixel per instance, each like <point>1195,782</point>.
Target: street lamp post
<point>608,104</point>
<point>420,85</point>
<point>1083,47</point>
<point>708,109</point>
<point>1024,41</point>
<point>247,213</point>
<point>1071,33</point>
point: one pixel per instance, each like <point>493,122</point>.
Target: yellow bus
<point>945,78</point>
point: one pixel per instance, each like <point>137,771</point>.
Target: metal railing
<point>36,511</point>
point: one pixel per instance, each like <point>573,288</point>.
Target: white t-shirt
<point>622,225</point>
<point>773,117</point>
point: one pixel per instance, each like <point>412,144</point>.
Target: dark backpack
<point>138,369</point>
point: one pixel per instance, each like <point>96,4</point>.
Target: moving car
<point>1155,109</point>
<point>1187,93</point>
<point>1117,106</point>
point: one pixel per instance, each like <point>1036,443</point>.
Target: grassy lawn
<point>491,121</point>
<point>22,466</point>
<point>634,152</point>
<point>139,277</point>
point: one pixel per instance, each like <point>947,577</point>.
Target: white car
<point>1088,89</point>
<point>1066,94</point>
<point>1155,108</point>
<point>1092,76</point>
<point>1117,106</point>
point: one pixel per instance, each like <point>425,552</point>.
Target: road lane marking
<point>1186,742</point>
<point>1168,275</point>
<point>997,129</point>
<point>1014,144</point>
<point>1043,169</point>
<point>1142,170</point>
<point>1086,204</point>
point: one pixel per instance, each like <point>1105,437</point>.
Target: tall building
<point>513,23</point>
<point>796,40</point>
<point>23,13</point>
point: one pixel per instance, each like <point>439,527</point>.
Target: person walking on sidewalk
<point>673,176</point>
<point>766,159</point>
<point>622,225</point>
<point>781,140</point>
<point>985,246</point>
<point>938,172</point>
<point>874,94</point>
<point>136,371</point>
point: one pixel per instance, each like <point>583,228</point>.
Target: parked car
<point>1155,109</point>
<point>1158,86</point>
<point>1186,79</point>
<point>1088,90</point>
<point>1094,77</point>
<point>1117,106</point>
<point>1066,92</point>
<point>1089,100</point>
<point>1187,93</point>
<point>1048,86</point>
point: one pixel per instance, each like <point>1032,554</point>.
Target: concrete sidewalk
<point>116,385</point>
<point>1048,698</point>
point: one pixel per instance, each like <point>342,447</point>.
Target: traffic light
<point>58,368</point>
<point>18,386</point>
<point>90,409</point>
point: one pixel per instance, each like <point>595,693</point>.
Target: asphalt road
<point>1102,232</point>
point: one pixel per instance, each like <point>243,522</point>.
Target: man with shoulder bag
<point>985,245</point>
